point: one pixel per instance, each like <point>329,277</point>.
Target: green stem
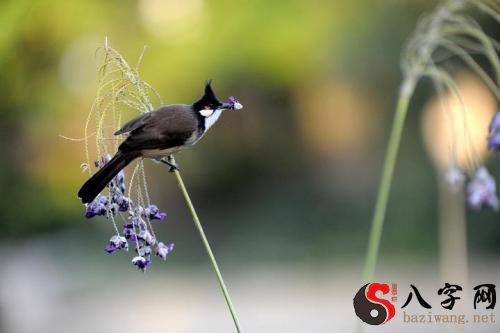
<point>204,239</point>
<point>405,94</point>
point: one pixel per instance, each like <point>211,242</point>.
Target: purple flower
<point>153,213</point>
<point>137,227</point>
<point>233,103</point>
<point>494,141</point>
<point>144,251</point>
<point>146,236</point>
<point>97,207</point>
<point>110,248</point>
<point>105,159</point>
<point>114,207</point>
<point>116,243</point>
<point>128,232</point>
<point>163,250</point>
<point>119,181</point>
<point>123,202</point>
<point>481,190</point>
<point>138,222</point>
<point>120,177</point>
<point>141,262</point>
<point>494,132</point>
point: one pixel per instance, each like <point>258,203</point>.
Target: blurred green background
<point>285,188</point>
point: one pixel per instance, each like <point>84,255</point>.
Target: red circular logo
<point>370,308</point>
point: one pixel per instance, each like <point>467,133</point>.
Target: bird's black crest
<point>209,100</point>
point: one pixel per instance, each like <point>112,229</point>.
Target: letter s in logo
<point>371,309</point>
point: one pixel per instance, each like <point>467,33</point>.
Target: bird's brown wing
<point>165,128</point>
<point>134,123</point>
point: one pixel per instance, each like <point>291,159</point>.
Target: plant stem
<point>204,239</point>
<point>405,94</point>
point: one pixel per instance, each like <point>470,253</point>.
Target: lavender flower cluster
<point>137,227</point>
<point>481,190</point>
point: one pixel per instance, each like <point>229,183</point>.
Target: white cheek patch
<point>206,112</point>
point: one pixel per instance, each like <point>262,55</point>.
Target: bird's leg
<point>169,161</point>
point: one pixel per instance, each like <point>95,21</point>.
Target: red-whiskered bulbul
<point>159,134</point>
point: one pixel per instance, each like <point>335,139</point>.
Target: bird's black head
<point>208,101</point>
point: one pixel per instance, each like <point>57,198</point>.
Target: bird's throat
<point>210,120</point>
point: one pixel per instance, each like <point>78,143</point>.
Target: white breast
<point>209,121</point>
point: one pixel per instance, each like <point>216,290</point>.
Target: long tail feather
<point>98,181</point>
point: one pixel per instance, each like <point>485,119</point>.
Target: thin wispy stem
<point>206,244</point>
<point>386,180</point>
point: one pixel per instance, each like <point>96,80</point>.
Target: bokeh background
<point>285,188</point>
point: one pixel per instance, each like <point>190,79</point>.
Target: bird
<point>158,135</point>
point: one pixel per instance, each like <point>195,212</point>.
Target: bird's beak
<point>235,106</point>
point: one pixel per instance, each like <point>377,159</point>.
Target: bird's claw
<point>169,161</point>
<point>173,167</point>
